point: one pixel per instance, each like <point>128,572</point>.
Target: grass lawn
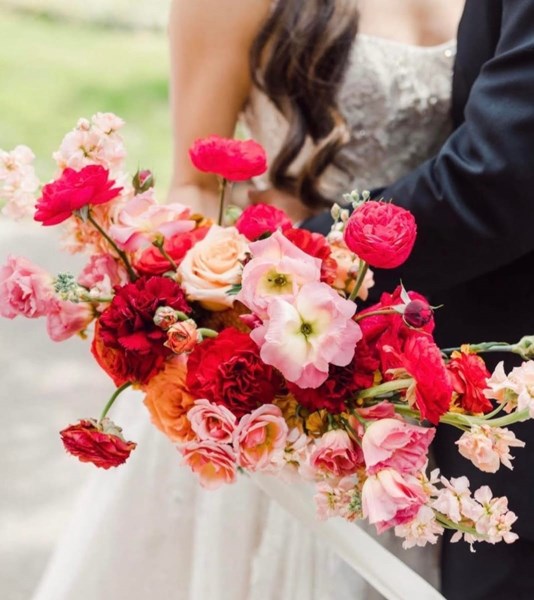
<point>54,72</point>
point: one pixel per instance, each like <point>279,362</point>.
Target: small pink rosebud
<point>417,314</point>
<point>165,317</point>
<point>182,337</point>
<point>143,180</point>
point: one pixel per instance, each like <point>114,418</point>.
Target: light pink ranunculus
<point>260,439</point>
<point>278,269</point>
<point>65,319</point>
<point>487,447</point>
<point>304,336</point>
<point>213,463</point>
<point>25,289</point>
<point>142,221</point>
<point>101,274</point>
<point>395,444</point>
<point>212,422</point>
<point>336,454</point>
<point>390,499</point>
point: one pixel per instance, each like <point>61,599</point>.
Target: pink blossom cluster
<point>18,182</point>
<point>515,390</point>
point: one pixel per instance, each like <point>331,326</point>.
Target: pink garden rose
<point>25,289</point>
<point>258,219</point>
<point>213,463</point>
<point>487,447</point>
<point>212,422</point>
<point>101,274</point>
<point>65,319</point>
<point>336,454</point>
<point>395,444</point>
<point>304,336</point>
<point>142,221</point>
<point>277,270</point>
<point>260,439</point>
<point>390,499</point>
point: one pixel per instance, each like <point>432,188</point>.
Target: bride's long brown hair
<point>299,60</point>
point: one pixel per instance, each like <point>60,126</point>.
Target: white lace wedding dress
<point>147,530</point>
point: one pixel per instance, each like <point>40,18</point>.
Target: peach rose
<point>168,401</point>
<point>212,422</point>
<point>213,463</point>
<point>213,266</point>
<point>182,337</point>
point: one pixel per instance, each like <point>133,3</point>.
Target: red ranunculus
<point>234,160</point>
<point>381,234</point>
<point>72,191</point>
<point>228,370</point>
<point>258,219</point>
<point>469,377</point>
<point>152,262</point>
<point>127,343</point>
<point>99,443</point>
<point>315,245</point>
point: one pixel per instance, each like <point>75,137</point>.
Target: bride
<point>343,95</point>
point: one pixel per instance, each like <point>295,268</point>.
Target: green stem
<point>362,270</point>
<point>207,333</point>
<point>484,347</point>
<point>111,401</point>
<point>160,246</point>
<point>387,311</point>
<point>448,524</point>
<point>122,255</point>
<point>222,193</point>
<point>385,388</point>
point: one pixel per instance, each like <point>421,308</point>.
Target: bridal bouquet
<point>246,340</point>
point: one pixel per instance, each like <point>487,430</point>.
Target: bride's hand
<point>199,200</point>
<point>293,207</point>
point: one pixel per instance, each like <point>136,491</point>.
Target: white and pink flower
<point>487,447</point>
<point>213,463</point>
<point>422,530</point>
<point>212,422</point>
<point>18,182</point>
<point>335,498</point>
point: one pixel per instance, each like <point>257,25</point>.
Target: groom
<point>474,206</point>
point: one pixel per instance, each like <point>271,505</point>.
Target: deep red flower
<point>234,160</point>
<point>315,245</point>
<point>418,313</point>
<point>72,191</point>
<point>99,443</point>
<point>381,234</point>
<point>469,377</point>
<point>228,370</point>
<point>127,343</point>
<point>258,219</point>
<point>152,262</point>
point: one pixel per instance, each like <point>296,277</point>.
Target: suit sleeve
<point>474,201</point>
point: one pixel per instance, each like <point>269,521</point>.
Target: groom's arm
<point>474,202</point>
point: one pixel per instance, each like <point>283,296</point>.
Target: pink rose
<point>65,319</point>
<point>336,454</point>
<point>143,221</point>
<point>390,499</point>
<point>277,270</point>
<point>182,337</point>
<point>258,219</point>
<point>213,463</point>
<point>381,234</point>
<point>260,439</point>
<point>101,274</point>
<point>25,289</point>
<point>212,422</point>
<point>391,443</point>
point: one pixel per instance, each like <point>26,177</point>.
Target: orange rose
<point>168,401</point>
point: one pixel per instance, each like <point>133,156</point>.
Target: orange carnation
<point>168,401</point>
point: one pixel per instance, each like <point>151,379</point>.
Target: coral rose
<point>260,219</point>
<point>260,439</point>
<point>469,377</point>
<point>213,463</point>
<point>72,191</point>
<point>168,400</point>
<point>212,422</point>
<point>182,337</point>
<point>234,160</point>
<point>395,444</point>
<point>381,234</point>
<point>336,454</point>
<point>100,443</point>
<point>213,266</point>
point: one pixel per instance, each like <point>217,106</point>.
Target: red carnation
<point>258,219</point>
<point>381,234</point>
<point>152,261</point>
<point>315,245</point>
<point>99,443</point>
<point>228,370</point>
<point>469,377</point>
<point>72,191</point>
<point>127,343</point>
<point>234,160</point>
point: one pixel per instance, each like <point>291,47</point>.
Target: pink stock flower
<point>487,447</point>
<point>333,498</point>
<point>18,182</point>
<point>25,289</point>
<point>496,520</point>
<point>260,439</point>
<point>336,454</point>
<point>213,463</point>
<point>395,444</point>
<point>423,530</point>
<point>212,422</point>
<point>258,219</point>
<point>390,499</point>
<point>101,274</point>
<point>303,337</point>
<point>277,270</point>
<point>515,390</point>
<point>65,319</point>
<point>142,221</point>
<point>455,501</point>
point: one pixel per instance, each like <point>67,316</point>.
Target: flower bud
<point>143,180</point>
<point>417,314</point>
<point>182,337</point>
<point>165,317</point>
<point>525,347</point>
